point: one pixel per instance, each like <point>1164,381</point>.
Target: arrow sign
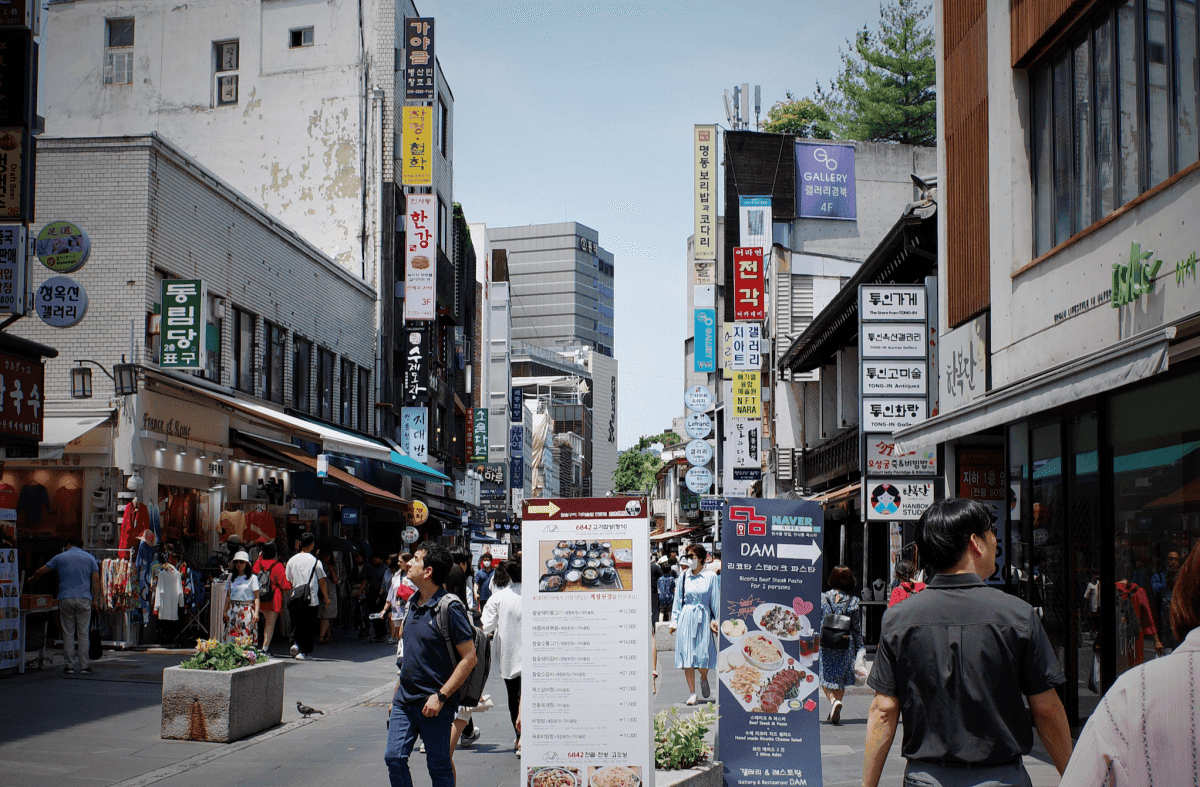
<point>550,510</point>
<point>809,551</point>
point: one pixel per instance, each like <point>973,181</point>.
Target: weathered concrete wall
<point>221,707</point>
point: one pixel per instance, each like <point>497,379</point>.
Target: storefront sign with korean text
<point>479,434</point>
<point>884,459</point>
<point>10,598</point>
<point>60,301</point>
<point>825,181</point>
<point>697,425</point>
<point>893,340</point>
<point>588,711</point>
<point>754,222</point>
<point>894,377</point>
<point>749,298</point>
<point>699,452</point>
<point>981,477</point>
<point>63,247</point>
<point>705,326</point>
<point>891,303</point>
<point>897,500</point>
<point>13,142</point>
<point>706,272</point>
<point>414,433</point>
<point>419,64</point>
<point>416,153</point>
<point>13,265</point>
<point>517,406</point>
<point>964,358</point>
<point>22,387</point>
<point>697,398</point>
<point>705,231</point>
<point>420,258</point>
<point>888,415</point>
<point>747,395</point>
<point>769,639</point>
<point>741,462</point>
<point>183,324</point>
<point>743,346</point>
<point>414,381</point>
<point>492,489</point>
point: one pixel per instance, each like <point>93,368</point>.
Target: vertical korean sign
<point>414,377</point>
<point>479,434</point>
<point>586,644</point>
<point>754,222</point>
<point>705,240</point>
<point>705,327</point>
<point>21,416</point>
<point>183,325</point>
<point>748,296</point>
<point>419,63</point>
<point>416,149</point>
<point>981,477</point>
<point>414,433</point>
<point>420,258</point>
<point>10,600</point>
<point>825,181</point>
<point>13,268</point>
<point>770,637</point>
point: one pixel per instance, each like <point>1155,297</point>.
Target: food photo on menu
<point>573,566</point>
<point>769,654</point>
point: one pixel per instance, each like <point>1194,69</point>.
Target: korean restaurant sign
<point>416,153</point>
<point>419,63</point>
<point>23,391</point>
<point>884,460</point>
<point>749,298</point>
<point>479,434</point>
<point>414,433</point>
<point>825,181</point>
<point>414,381</point>
<point>14,263</point>
<point>183,324</point>
<point>60,301</point>
<point>584,644</point>
<point>768,638</point>
<point>705,149</point>
<point>63,246</point>
<point>420,258</point>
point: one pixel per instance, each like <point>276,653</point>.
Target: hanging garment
<point>259,524</point>
<point>168,594</point>
<point>233,523</point>
<point>134,522</point>
<point>33,499</point>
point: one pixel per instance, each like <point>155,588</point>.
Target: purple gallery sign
<point>825,181</point>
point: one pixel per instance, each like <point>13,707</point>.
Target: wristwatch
<point>441,697</point>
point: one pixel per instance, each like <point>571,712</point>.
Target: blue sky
<point>583,112</point>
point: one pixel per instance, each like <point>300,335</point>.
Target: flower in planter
<point>222,656</point>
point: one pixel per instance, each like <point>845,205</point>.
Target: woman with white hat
<point>241,605</point>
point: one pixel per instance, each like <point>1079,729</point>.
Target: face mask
<point>686,562</point>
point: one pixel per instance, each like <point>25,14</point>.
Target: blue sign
<point>517,406</point>
<point>516,473</point>
<point>516,441</point>
<point>349,516</point>
<point>825,181</point>
<point>769,642</point>
<point>706,340</point>
<point>710,504</point>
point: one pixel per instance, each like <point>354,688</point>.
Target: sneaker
<point>469,737</point>
<point>422,747</point>
<point>86,671</point>
<point>295,650</point>
<point>691,700</point>
<point>301,657</point>
<point>69,670</point>
<point>704,690</point>
<point>835,715</point>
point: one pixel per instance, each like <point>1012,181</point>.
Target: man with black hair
<point>425,701</point>
<point>304,569</point>
<point>78,592</point>
<point>954,662</point>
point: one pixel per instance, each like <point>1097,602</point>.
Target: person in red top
<point>272,606</point>
<point>905,587</point>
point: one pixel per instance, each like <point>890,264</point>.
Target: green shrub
<point>679,742</point>
<point>222,656</point>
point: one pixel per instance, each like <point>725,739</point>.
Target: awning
<point>399,463</point>
<point>59,430</point>
<point>371,493</point>
<point>334,441</point>
<point>1124,363</point>
<point>672,534</point>
<point>839,494</point>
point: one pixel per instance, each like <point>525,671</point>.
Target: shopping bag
<point>95,651</point>
<point>861,670</point>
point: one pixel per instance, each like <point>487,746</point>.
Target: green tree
<point>885,91</point>
<point>803,117</point>
<point>637,465</point>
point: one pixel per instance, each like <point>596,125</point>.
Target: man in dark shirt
<point>358,594</point>
<point>954,662</point>
<point>483,580</point>
<point>424,702</point>
<point>375,596</point>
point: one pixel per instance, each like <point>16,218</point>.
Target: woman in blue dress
<point>694,618</point>
<point>836,667</point>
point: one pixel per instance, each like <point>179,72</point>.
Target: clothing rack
<point>128,639</point>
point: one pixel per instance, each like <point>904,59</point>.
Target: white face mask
<point>686,562</point>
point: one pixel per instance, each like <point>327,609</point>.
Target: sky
<point>583,111</point>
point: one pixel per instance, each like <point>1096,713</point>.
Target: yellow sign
<point>416,153</point>
<point>420,512</point>
<point>747,395</point>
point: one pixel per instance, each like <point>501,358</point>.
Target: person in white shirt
<point>241,605</point>
<point>305,571</point>
<point>1144,730</point>
<point>502,619</point>
<point>400,590</point>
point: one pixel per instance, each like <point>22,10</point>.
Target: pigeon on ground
<point>306,711</point>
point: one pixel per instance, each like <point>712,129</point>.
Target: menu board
<point>10,605</point>
<point>586,678</point>
<point>770,639</point>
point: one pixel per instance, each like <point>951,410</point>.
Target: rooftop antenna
<point>737,107</point>
<point>745,106</point>
<point>758,107</point>
<point>729,109</point>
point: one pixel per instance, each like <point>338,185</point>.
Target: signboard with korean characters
<point>897,500</point>
<point>743,346</point>
<point>414,376</point>
<point>16,166</point>
<point>13,267</point>
<point>697,425</point>
<point>420,258</point>
<point>891,303</point>
<point>888,415</point>
<point>492,487</point>
<point>747,395</point>
<point>585,634</point>
<point>419,65</point>
<point>24,385</point>
<point>903,378</point>
<point>10,605</point>
<point>884,459</point>
<point>705,327</point>
<point>698,398</point>
<point>60,301</point>
<point>414,433</point>
<point>698,479</point>
<point>699,452</point>
<point>892,340</point>
<point>749,292</point>
<point>183,324</point>
<point>516,405</point>
<point>825,181</point>
<point>964,358</point>
<point>63,246</point>
<point>479,434</point>
<point>769,640</point>
<point>704,141</point>
<point>981,477</point>
<point>416,146</point>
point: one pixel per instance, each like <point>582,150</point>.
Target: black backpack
<point>266,591</point>
<point>472,689</point>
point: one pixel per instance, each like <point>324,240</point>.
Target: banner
<point>825,181</point>
<point>704,243</point>
<point>747,395</point>
<point>416,151</point>
<point>706,340</point>
<point>419,65</point>
<point>479,434</point>
<point>585,637</point>
<point>414,433</point>
<point>414,375</point>
<point>754,223</point>
<point>183,326</point>
<point>769,642</point>
<point>749,296</point>
<point>420,258</point>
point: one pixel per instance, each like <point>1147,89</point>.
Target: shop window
<point>325,366</point>
<point>346,400</point>
<point>274,363</point>
<point>118,52</point>
<point>302,375</point>
<point>243,351</point>
<point>226,56</point>
<point>1114,113</point>
<point>364,399</point>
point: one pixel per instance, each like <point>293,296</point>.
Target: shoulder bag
<point>301,593</point>
<point>835,631</point>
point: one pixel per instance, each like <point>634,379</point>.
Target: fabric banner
<point>420,258</point>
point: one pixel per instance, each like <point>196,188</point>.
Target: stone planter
<point>707,775</point>
<point>221,707</point>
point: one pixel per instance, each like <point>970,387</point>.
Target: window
<point>226,56</point>
<point>299,37</point>
<point>1115,114</point>
<point>118,52</point>
<point>273,363</point>
<point>212,338</point>
<point>324,384</point>
<point>364,398</point>
<point>243,351</point>
<point>347,393</point>
<point>442,229</point>
<point>301,374</point>
<point>443,128</point>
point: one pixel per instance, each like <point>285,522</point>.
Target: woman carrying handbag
<point>841,638</point>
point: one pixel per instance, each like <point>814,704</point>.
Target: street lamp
<point>124,381</point>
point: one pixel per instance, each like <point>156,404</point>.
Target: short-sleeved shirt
<point>959,656</point>
<point>427,664</point>
<point>243,588</point>
<point>300,569</point>
<point>483,585</point>
<point>74,568</point>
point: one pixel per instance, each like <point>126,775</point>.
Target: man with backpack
<point>428,692</point>
<point>665,584</point>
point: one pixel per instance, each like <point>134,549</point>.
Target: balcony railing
<point>831,459</point>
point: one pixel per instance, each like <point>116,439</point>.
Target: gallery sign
<point>891,414</point>
<point>747,395</point>
<point>420,258</point>
<point>705,326</point>
<point>743,347</point>
<point>892,340</point>
<point>825,181</point>
<point>60,301</point>
<point>749,295</point>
